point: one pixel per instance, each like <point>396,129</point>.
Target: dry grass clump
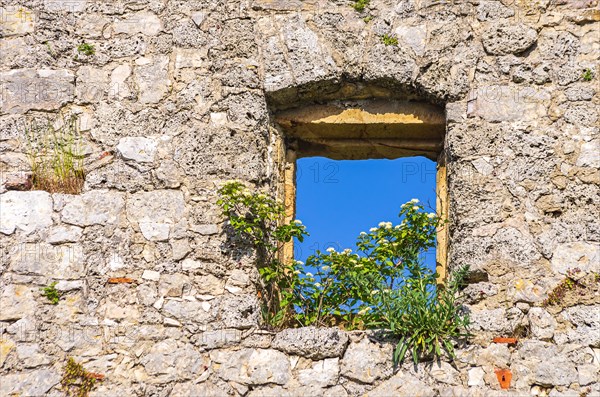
<point>56,155</point>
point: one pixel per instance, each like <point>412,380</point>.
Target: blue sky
<point>337,199</point>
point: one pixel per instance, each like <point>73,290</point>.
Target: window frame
<point>288,153</point>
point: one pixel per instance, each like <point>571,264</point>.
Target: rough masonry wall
<point>178,94</point>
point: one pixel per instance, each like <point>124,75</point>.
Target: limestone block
<point>413,36</point>
<point>187,311</point>
<point>31,356</point>
<point>65,5</point>
<point>589,156</point>
<point>579,254</point>
<point>152,79</point>
<point>16,302</point>
<point>64,234</point>
<point>29,383</point>
<point>254,366</point>
<point>588,374</point>
<point>56,261</point>
<point>92,84</point>
<point>197,389</point>
<point>138,149</point>
<point>237,311</point>
<point>25,211</point>
<point>180,248</point>
<point>156,212</point>
<point>322,373</point>
<point>190,58</point>
<point>492,11</point>
<point>151,275</point>
<point>554,372</point>
<point>6,346</point>
<point>143,22</point>
<point>541,323</point>
<point>402,384</point>
<point>366,361</point>
<point>168,173</point>
<point>31,89</point>
<point>504,37</point>
<point>219,338</point>
<point>476,375</point>
<point>119,88</point>
<point>206,229</point>
<point>209,285</point>
<point>312,342</point>
<point>97,207</point>
<point>174,285</point>
<point>16,20</point>
<point>444,373</point>
<point>586,322</point>
<point>168,361</point>
<point>497,103</point>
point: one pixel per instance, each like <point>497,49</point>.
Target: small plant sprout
<point>51,293</point>
<point>587,75</point>
<point>360,5</point>
<point>389,40</point>
<point>86,49</point>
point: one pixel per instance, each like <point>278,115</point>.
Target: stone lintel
<point>365,129</point>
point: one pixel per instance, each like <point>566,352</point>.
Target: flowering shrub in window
<point>382,284</point>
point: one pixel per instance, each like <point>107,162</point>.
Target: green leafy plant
<point>383,285</point>
<point>389,40</point>
<point>360,5</point>
<point>587,75</point>
<point>51,293</point>
<point>256,218</point>
<point>77,381</point>
<point>368,18</point>
<point>425,319</point>
<point>55,154</point>
<point>86,49</point>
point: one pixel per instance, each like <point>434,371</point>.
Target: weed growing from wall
<point>389,40</point>
<point>86,49</point>
<point>51,293</point>
<point>360,5</point>
<point>55,154</point>
<point>256,217</point>
<point>587,75</point>
<point>77,381</point>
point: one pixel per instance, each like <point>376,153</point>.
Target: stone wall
<point>177,99</point>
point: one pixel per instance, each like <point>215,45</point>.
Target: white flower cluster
<point>330,250</point>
